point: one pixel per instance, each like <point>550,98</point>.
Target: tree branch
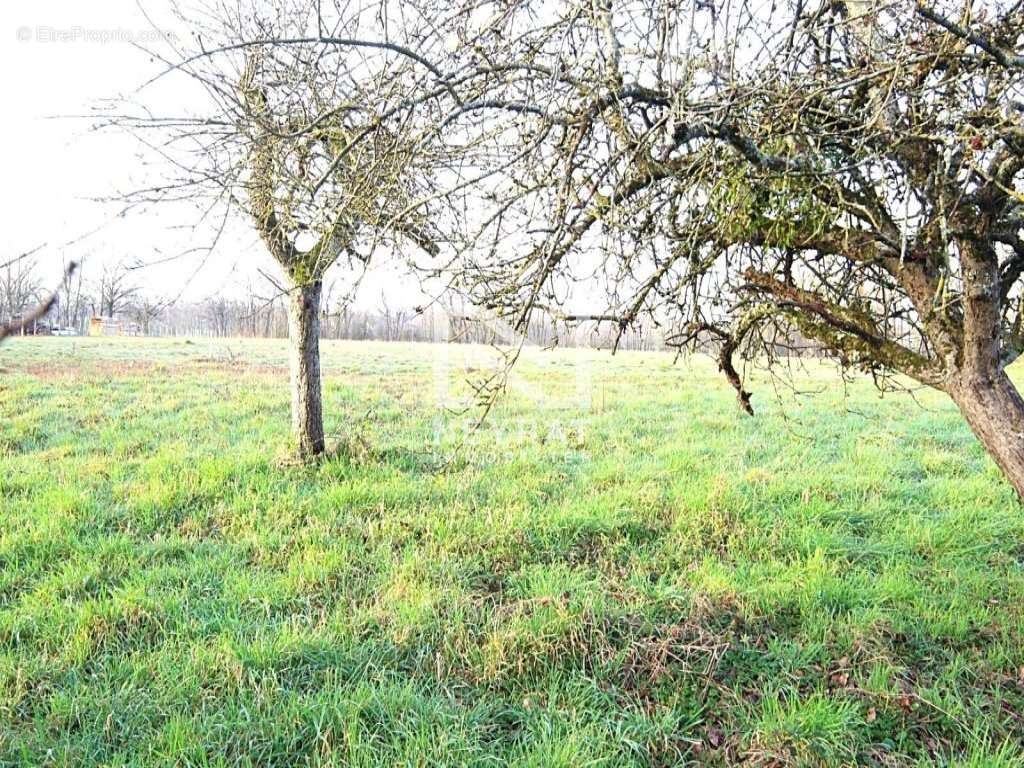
<point>40,311</point>
<point>1008,60</point>
<point>842,329</point>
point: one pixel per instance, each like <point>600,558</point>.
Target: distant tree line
<point>115,292</point>
<point>224,317</point>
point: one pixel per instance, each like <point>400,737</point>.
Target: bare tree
<point>313,132</point>
<point>113,290</point>
<point>286,176</point>
<point>144,310</point>
<point>29,315</point>
<point>20,287</point>
<point>394,319</point>
<point>847,172</point>
<point>218,310</point>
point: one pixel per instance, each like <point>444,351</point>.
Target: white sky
<point>57,63</point>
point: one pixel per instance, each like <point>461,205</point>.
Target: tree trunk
<point>304,359</point>
<point>994,410</point>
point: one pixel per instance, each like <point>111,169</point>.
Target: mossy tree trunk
<point>304,361</point>
<point>994,409</point>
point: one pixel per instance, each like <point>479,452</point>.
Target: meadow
<point>616,569</point>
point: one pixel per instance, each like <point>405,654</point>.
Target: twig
<point>1008,60</point>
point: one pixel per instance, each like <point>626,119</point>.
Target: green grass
<point>617,569</point>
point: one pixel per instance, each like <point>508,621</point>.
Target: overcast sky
<point>62,58</point>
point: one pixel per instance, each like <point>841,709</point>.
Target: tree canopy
<point>847,173</point>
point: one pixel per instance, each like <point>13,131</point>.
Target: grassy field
<point>617,569</point>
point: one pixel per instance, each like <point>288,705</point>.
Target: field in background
<point>616,569</point>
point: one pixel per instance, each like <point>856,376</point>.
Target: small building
<point>111,326</point>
